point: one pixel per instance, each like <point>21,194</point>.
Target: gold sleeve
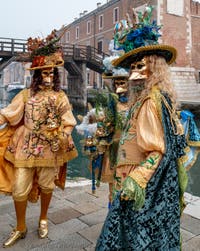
<point>150,135</point>
<point>2,119</point>
<point>150,139</point>
<point>65,109</point>
<point>14,112</point>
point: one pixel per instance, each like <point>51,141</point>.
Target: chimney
<point>85,12</point>
<point>98,4</point>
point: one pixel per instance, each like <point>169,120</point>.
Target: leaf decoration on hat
<point>43,47</point>
<point>140,32</point>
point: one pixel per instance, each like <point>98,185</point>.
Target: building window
<point>88,27</point>
<point>100,22</point>
<point>100,47</point>
<point>67,36</point>
<point>88,78</point>
<point>77,32</point>
<point>175,7</point>
<point>115,15</point>
<point>100,81</point>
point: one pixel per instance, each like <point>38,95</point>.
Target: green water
<point>78,167</point>
<point>194,179</point>
<point>194,174</point>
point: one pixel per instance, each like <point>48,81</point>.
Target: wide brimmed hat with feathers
<point>139,38</point>
<point>45,53</point>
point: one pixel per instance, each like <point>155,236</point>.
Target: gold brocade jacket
<point>142,144</point>
<point>44,138</point>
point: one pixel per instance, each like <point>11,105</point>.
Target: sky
<point>22,19</point>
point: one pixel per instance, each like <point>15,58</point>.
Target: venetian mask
<point>138,70</point>
<point>120,86</point>
<point>89,141</point>
<point>100,132</point>
<point>47,76</point>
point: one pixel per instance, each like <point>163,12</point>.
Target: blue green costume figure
<point>150,174</point>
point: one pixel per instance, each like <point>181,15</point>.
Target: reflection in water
<point>194,175</point>
<point>194,179</point>
<point>78,167</point>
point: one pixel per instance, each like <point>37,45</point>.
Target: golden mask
<point>47,75</point>
<point>121,86</point>
<point>138,70</point>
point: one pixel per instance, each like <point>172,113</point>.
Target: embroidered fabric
<point>156,226</point>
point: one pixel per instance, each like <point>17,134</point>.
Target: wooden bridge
<point>76,59</point>
<point>13,49</point>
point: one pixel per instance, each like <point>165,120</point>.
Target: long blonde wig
<point>159,75</point>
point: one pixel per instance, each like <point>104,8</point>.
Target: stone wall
<point>185,84</point>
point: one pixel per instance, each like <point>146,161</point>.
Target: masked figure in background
<point>41,146</point>
<point>101,126</point>
<point>119,80</point>
<point>97,127</point>
<point>150,178</point>
<point>192,136</point>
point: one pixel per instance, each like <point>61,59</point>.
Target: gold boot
<point>14,236</point>
<point>43,229</point>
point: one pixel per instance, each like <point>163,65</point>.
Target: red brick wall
<point>179,31</point>
<point>175,34</point>
<point>195,20</point>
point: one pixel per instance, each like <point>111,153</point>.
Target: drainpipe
<point>94,35</point>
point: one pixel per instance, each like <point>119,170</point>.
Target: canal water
<point>194,174</point>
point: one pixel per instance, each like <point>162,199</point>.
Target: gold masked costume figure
<point>120,88</point>
<point>37,143</point>
<point>150,178</point>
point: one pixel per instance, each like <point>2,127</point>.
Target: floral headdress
<point>139,37</point>
<point>46,52</point>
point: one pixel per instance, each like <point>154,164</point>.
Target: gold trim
<point>148,48</point>
<point>42,162</point>
<point>142,182</point>
<point>104,76</point>
<point>193,161</point>
<point>45,66</point>
<point>193,143</point>
<point>124,163</point>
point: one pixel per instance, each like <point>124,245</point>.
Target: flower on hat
<point>139,38</point>
<point>45,52</point>
<point>134,35</point>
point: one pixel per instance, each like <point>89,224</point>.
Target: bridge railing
<point>82,52</point>
<point>11,48</point>
<point>13,45</point>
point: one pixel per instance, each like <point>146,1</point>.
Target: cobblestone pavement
<point>75,220</point>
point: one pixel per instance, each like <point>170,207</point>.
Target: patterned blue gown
<point>156,226</point>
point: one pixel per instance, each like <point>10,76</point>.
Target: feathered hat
<point>139,38</point>
<point>111,72</point>
<point>45,53</point>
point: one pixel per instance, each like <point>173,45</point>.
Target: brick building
<point>181,29</point>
